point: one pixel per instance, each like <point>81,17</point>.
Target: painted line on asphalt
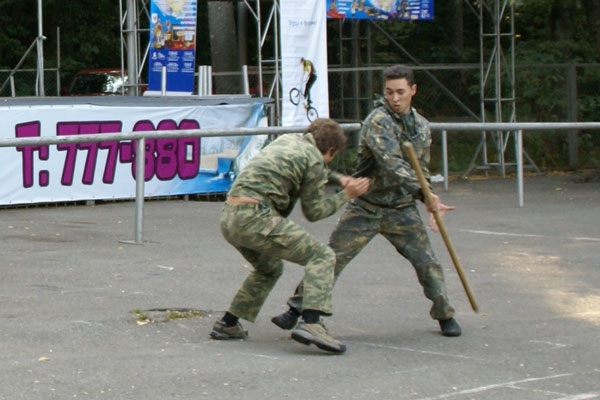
<point>494,386</point>
<point>260,356</point>
<point>434,353</point>
<point>551,344</point>
<point>582,396</point>
<point>491,233</point>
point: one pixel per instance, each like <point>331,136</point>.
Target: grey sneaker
<point>317,334</point>
<point>220,331</point>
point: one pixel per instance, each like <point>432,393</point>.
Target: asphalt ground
<point>73,297</point>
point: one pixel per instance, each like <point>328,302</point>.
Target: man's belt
<point>374,207</point>
<point>365,204</point>
<point>239,200</point>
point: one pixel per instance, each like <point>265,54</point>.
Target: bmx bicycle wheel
<point>295,96</point>
<point>312,114</point>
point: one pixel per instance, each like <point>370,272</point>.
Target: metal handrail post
<point>140,165</point>
<point>519,158</point>
<point>141,136</point>
<point>445,158</point>
<point>140,172</point>
<point>163,81</point>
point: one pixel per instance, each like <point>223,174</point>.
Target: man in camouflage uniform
<point>254,220</point>
<point>390,208</point>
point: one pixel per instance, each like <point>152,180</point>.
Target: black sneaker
<point>317,334</point>
<point>450,327</point>
<point>221,331</point>
<point>286,320</point>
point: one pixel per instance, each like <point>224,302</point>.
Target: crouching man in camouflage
<point>390,208</point>
<point>254,220</point>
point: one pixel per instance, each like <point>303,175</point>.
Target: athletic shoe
<point>450,327</point>
<point>220,331</point>
<point>286,320</point>
<point>317,334</point>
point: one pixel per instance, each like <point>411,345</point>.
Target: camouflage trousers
<point>265,239</point>
<point>404,229</point>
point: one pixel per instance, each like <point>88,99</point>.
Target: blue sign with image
<point>396,10</point>
<point>172,44</point>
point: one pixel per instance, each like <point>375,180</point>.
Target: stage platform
<point>137,101</point>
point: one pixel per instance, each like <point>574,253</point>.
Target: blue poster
<point>398,10</point>
<point>172,44</point>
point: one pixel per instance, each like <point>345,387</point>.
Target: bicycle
<point>311,112</point>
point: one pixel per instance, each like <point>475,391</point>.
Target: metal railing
<point>516,128</point>
<point>142,136</point>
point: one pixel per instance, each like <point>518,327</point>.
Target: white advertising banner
<point>305,85</point>
<point>106,170</point>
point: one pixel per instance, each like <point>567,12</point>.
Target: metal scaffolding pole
<point>133,55</point>
<point>264,28</point>
<point>40,53</point>
<point>497,80</point>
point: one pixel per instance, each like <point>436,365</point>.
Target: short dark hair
<point>327,134</point>
<point>399,72</point>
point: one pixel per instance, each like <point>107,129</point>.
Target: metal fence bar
<point>445,158</point>
<point>139,194</point>
<point>139,191</point>
<point>278,130</point>
<point>519,158</point>
<point>127,136</point>
<point>518,128</point>
<point>511,126</point>
<point>141,136</point>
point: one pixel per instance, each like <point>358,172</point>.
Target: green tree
<point>18,31</point>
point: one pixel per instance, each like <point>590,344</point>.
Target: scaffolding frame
<point>497,80</point>
<point>38,43</point>
<point>497,66</point>
<point>134,54</point>
<point>264,28</point>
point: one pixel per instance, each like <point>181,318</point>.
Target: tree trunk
<point>224,49</point>
<point>562,14</point>
<point>592,12</point>
<point>458,29</point>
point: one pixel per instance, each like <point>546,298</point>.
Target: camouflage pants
<point>404,229</point>
<point>265,239</point>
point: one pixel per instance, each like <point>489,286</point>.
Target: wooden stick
<point>440,223</point>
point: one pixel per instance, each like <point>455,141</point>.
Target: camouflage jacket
<point>381,158</point>
<point>290,168</point>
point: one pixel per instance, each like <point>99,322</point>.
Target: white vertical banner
<point>305,88</point>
